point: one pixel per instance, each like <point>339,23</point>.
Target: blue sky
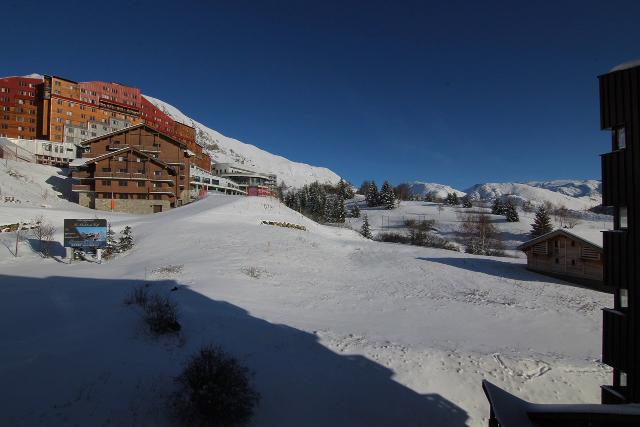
<point>457,92</point>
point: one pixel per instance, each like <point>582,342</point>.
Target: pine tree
<point>340,211</point>
<point>366,230</point>
<point>541,223</point>
<point>466,202</point>
<point>511,212</point>
<point>112,244</point>
<point>126,240</point>
<point>355,210</point>
<point>387,196</point>
<point>372,196</point>
<point>498,207</point>
<point>452,199</point>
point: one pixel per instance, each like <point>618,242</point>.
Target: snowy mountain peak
<point>423,188</point>
<point>228,150</point>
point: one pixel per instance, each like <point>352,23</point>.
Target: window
<point>122,183</point>
<point>573,262</point>
<point>140,183</point>
<point>622,217</point>
<point>623,379</point>
<point>106,182</point>
<point>106,169</point>
<point>590,253</point>
<point>123,170</point>
<point>157,173</point>
<point>624,298</point>
<point>619,138</point>
<point>557,261</point>
<point>157,197</point>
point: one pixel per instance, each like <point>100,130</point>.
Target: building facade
<point>259,183</point>
<point>19,107</point>
<point>567,255</point>
<point>57,109</point>
<point>136,170</point>
<point>620,115</point>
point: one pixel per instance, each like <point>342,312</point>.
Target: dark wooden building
<point>150,173</point>
<point>620,114</point>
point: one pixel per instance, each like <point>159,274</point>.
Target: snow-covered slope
<point>419,188</point>
<point>225,149</point>
<point>590,188</point>
<point>535,194</point>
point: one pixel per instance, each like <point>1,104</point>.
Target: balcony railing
<point>80,187</point>
<point>615,176</point>
<point>615,270</point>
<point>614,338</point>
<point>81,174</point>
<point>126,175</point>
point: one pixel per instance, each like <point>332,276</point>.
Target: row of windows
<point>129,196</point>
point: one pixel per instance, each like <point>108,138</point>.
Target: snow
<point>537,192</point>
<point>228,150</point>
<point>338,330</point>
<point>424,188</point>
<point>626,65</point>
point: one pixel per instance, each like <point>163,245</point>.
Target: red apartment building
<point>19,107</point>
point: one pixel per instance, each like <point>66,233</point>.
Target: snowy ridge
<point>440,190</point>
<point>541,192</point>
<point>228,150</point>
<point>590,188</point>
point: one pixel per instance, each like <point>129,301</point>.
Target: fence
<point>11,151</point>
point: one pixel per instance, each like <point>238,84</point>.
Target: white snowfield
<point>224,149</point>
<point>538,192</point>
<point>338,330</point>
<point>424,188</point>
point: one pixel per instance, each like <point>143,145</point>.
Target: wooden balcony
<point>614,339</point>
<point>120,175</point>
<point>81,187</point>
<point>615,254</point>
<point>615,176</point>
<point>81,174</point>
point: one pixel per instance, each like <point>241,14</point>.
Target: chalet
<point>136,170</point>
<point>574,256</point>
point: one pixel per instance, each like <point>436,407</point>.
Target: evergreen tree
<point>366,230</point>
<point>511,212</point>
<point>387,196</point>
<point>372,196</point>
<point>452,199</point>
<point>466,202</point>
<point>340,211</point>
<point>430,196</point>
<point>355,210</point>
<point>541,223</point>
<point>126,240</point>
<point>498,207</point>
<point>112,244</point>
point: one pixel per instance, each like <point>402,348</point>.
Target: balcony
<point>81,174</point>
<point>612,395</point>
<point>81,187</point>
<point>615,255</point>
<point>614,338</point>
<point>120,175</point>
<point>615,176</point>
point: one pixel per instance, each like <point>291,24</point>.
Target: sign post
<point>85,234</point>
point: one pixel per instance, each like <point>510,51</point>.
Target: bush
<point>161,315</point>
<point>423,225</point>
<point>417,238</point>
<point>139,296</point>
<point>214,390</point>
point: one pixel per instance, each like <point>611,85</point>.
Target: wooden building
<point>135,170</point>
<point>568,255</point>
<point>620,115</point>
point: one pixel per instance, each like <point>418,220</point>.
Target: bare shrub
<point>479,235</point>
<point>423,225</point>
<point>254,272</point>
<point>161,315</point>
<point>139,295</point>
<point>214,390</point>
<point>44,232</point>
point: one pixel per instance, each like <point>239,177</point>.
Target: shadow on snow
<point>74,352</point>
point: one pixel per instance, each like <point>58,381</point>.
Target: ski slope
<point>224,149</point>
<point>338,330</point>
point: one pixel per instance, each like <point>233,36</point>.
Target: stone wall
<point>134,206</point>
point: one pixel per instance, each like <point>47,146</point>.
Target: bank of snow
<point>339,330</point>
<point>418,188</point>
<point>225,149</point>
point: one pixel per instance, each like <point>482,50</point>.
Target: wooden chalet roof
<point>593,239</point>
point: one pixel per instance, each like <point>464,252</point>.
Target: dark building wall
<point>620,109</point>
